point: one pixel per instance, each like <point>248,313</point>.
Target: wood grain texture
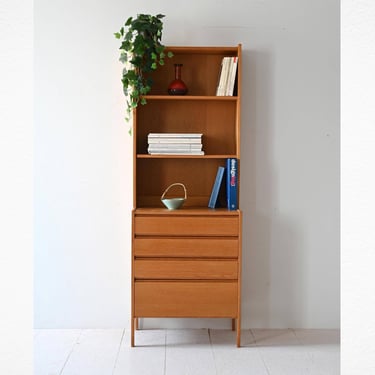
<point>186,247</point>
<point>186,226</point>
<point>185,269</point>
<point>186,299</point>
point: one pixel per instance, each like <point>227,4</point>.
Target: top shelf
<point>201,67</point>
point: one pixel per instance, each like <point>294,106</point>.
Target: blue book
<point>232,184</point>
<point>214,201</point>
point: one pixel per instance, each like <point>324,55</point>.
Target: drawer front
<point>154,225</point>
<point>185,299</point>
<point>185,269</point>
<point>186,247</point>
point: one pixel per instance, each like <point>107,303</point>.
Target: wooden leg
<point>136,324</point>
<point>238,332</point>
<point>132,323</point>
<point>233,324</point>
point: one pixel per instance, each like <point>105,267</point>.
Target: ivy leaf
<point>125,45</point>
<point>129,21</point>
<point>145,90</point>
<point>123,57</point>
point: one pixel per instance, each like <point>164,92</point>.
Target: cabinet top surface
<point>187,211</point>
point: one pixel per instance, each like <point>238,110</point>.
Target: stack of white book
<point>175,144</point>
<point>227,76</point>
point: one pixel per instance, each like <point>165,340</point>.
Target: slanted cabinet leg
<point>132,323</point>
<point>238,333</point>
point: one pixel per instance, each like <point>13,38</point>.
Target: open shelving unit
<point>186,262</point>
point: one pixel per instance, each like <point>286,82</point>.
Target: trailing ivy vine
<point>141,52</point>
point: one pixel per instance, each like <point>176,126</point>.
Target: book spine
<point>232,183</point>
<point>219,78</point>
<point>213,202</point>
<point>175,135</point>
<point>221,90</point>
<point>232,78</point>
<point>172,152</point>
<point>174,140</point>
<point>229,75</point>
<point>175,146</point>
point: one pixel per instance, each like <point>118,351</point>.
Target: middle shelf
<point>215,120</point>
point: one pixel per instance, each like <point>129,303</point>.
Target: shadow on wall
<point>270,269</point>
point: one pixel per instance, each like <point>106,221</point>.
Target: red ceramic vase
<point>177,86</point>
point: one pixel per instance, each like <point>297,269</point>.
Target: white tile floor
<point>186,352</point>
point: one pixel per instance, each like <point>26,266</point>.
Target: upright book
<point>232,76</point>
<point>232,183</point>
<point>227,76</point>
<point>214,198</point>
<point>223,76</point>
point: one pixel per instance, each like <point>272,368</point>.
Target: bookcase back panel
<point>214,119</point>
<point>155,175</point>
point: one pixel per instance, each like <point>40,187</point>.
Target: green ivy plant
<point>141,52</point>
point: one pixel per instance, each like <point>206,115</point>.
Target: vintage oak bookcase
<point>187,262</point>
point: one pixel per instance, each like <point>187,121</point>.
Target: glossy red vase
<point>177,86</point>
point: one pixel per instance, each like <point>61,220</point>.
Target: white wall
<point>289,159</point>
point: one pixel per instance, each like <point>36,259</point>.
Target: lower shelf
<point>186,299</point>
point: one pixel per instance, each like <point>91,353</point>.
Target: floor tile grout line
<point>302,345</point>
<point>295,335</point>
<point>71,351</point>
<point>259,351</point>
<point>118,351</point>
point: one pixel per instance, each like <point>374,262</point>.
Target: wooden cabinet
<point>187,262</point>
